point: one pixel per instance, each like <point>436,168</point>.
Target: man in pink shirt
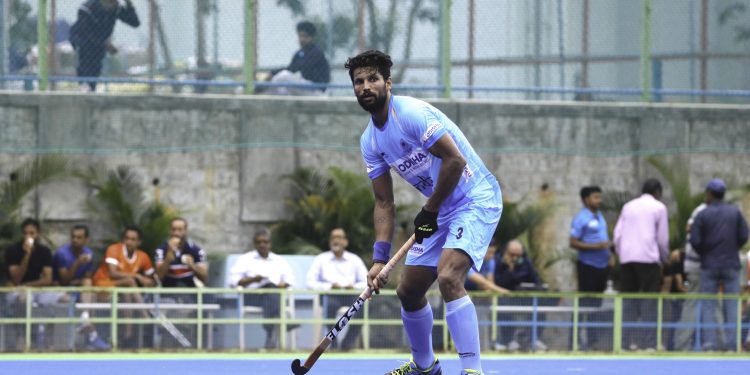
<point>642,244</point>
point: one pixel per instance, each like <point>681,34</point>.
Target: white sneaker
<point>540,346</point>
<point>514,346</point>
<point>500,347</point>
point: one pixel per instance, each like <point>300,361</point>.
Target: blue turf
<point>528,366</point>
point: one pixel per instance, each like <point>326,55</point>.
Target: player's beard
<point>375,105</point>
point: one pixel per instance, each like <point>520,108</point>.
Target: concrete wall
<point>219,159</point>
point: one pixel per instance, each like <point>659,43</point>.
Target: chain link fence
<point>605,50</point>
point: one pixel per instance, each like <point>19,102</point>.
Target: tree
<point>118,201</point>
<point>321,201</point>
<point>733,14</point>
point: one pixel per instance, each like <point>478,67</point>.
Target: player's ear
<point>388,83</point>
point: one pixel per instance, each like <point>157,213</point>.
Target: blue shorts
<point>468,227</point>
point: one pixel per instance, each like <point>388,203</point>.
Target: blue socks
<point>461,317</point>
<point>418,326</point>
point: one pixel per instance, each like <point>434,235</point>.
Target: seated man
<point>73,266</point>
<point>485,278</point>
<point>29,264</point>
<point>334,270</point>
<point>180,261</point>
<point>125,265</point>
<point>309,66</point>
<point>514,271</point>
<point>260,268</point>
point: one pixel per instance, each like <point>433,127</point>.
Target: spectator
<point>673,282</point>
<point>309,66</point>
<point>588,235</point>
<point>485,278</point>
<point>180,261</point>
<point>514,273</point>
<point>29,264</point>
<point>73,265</point>
<point>125,265</point>
<point>259,269</point>
<point>717,234</point>
<point>692,269</point>
<point>641,241</point>
<point>338,269</point>
<point>90,34</point>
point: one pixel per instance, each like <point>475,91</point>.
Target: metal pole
<point>659,324</point>
<point>113,319</point>
<point>585,46</point>
<point>646,50</point>
<point>329,39</point>
<point>361,31</point>
<point>617,334</point>
<point>215,14</point>
<point>249,47</point>
<point>704,48</point>
<point>53,40</point>
<point>561,44</point>
<point>3,41</point>
<point>472,9</point>
<point>445,47</point>
<point>151,42</point>
<point>537,46</point>
<point>738,331</point>
<point>691,39</point>
<point>575,323</point>
<point>42,36</point>
<point>27,332</point>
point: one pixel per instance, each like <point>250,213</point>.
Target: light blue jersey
<point>469,216</point>
<point>402,144</point>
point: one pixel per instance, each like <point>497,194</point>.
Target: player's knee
<point>449,282</point>
<point>407,294</point>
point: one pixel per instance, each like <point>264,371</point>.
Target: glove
<point>425,225</point>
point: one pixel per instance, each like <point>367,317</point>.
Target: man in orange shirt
<point>127,266</point>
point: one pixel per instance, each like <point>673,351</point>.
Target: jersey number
<point>460,233</point>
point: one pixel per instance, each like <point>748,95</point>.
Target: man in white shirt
<point>261,268</point>
<point>338,269</point>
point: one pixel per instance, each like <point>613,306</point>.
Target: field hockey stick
<point>300,369</point>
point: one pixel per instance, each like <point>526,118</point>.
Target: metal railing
<point>202,313</point>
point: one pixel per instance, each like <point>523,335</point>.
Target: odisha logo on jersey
<point>425,182</point>
<point>412,161</point>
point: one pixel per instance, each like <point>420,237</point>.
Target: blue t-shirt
<point>402,144</point>
<point>590,228</point>
<point>64,258</point>
<point>488,268</point>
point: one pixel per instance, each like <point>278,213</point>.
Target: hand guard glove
<point>425,225</point>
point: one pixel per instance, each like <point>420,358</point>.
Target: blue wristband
<point>381,252</point>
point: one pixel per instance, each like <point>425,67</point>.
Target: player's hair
<point>370,59</point>
<point>29,221</point>
<point>84,228</point>
<point>179,218</point>
<point>652,186</point>
<point>132,228</point>
<point>588,190</point>
<point>306,27</point>
<point>262,231</point>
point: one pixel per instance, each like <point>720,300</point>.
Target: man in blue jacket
<point>717,234</point>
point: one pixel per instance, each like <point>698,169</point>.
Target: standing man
<point>263,269</point>
<point>684,338</point>
<point>455,225</point>
<point>338,269</point>
<point>642,243</point>
<point>588,235</point>
<point>308,66</point>
<point>90,34</point>
<point>73,265</point>
<point>717,234</point>
<point>180,261</point>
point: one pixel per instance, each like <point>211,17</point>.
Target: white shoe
<point>540,346</point>
<point>514,346</point>
<point>500,347</point>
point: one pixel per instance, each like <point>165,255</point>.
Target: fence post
<point>575,323</point>
<point>250,47</point>
<point>113,319</point>
<point>617,335</point>
<point>27,333</point>
<point>493,319</point>
<point>646,50</point>
<point>283,297</point>
<point>659,324</point>
<point>738,337</point>
<point>199,329</point>
<point>42,31</point>
<point>445,47</point>
<point>366,327</point>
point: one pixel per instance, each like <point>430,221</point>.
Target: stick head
<point>298,369</point>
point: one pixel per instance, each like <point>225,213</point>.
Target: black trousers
<point>271,305</point>
<point>592,280</point>
<point>90,62</point>
<point>640,278</point>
